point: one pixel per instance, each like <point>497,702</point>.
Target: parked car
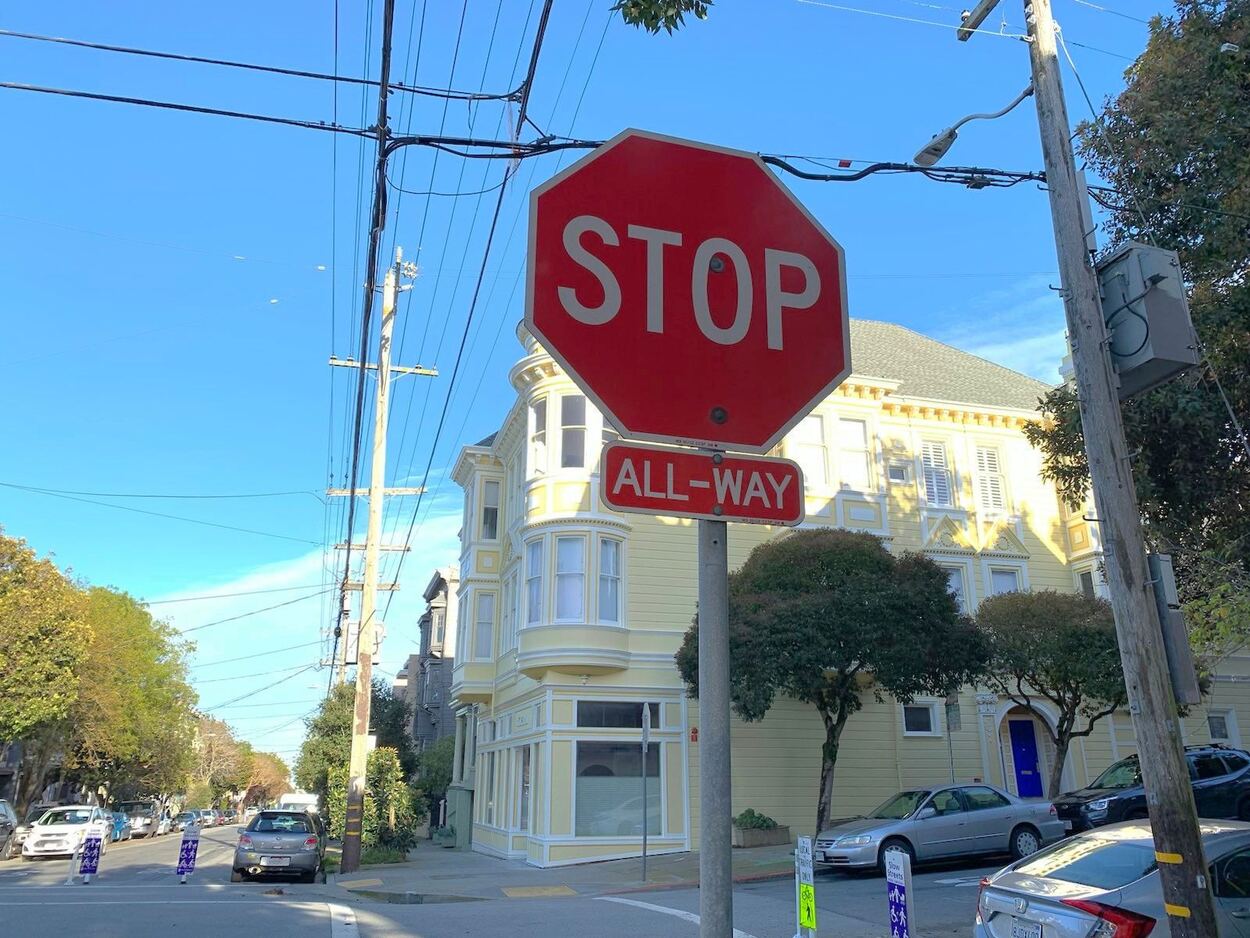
<point>8,829</point>
<point>938,822</point>
<point>1220,778</point>
<point>184,819</point>
<point>122,827</point>
<point>210,817</point>
<point>148,817</point>
<point>1106,882</point>
<point>280,843</point>
<point>59,831</point>
<point>250,812</point>
<point>33,814</point>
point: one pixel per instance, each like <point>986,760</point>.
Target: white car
<point>61,831</point>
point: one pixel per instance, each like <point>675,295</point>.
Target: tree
<point>1175,145</point>
<point>268,778</point>
<point>1058,647</point>
<point>825,616</point>
<point>392,809</point>
<point>434,769</point>
<point>654,15</point>
<point>391,721</point>
<point>222,763</point>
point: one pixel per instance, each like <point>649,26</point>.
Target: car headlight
<point>1099,805</point>
<point>856,840</point>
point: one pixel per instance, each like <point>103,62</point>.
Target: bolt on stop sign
<point>687,292</point>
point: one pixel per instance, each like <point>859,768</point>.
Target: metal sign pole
<point>646,744</point>
<point>715,832</point>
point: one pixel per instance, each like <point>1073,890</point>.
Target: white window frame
<point>801,452</point>
<point>1019,568</point>
<point>1230,723</point>
<point>984,477</point>
<point>539,440</point>
<point>868,452</point>
<point>486,506</point>
<point>462,638</point>
<point>965,576</point>
<point>566,428</point>
<point>535,562</point>
<point>935,723</point>
<point>619,576</point>
<point>946,468</point>
<point>557,574</point>
<point>508,619</point>
<point>479,621</point>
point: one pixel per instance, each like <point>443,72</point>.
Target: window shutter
<point>937,480</point>
<point>990,480</point>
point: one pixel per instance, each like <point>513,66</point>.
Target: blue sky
<point>173,283</point>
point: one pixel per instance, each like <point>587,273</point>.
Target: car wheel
<point>898,845</point>
<point>310,877</point>
<point>236,876</point>
<point>1141,814</point>
<point>1025,840</point>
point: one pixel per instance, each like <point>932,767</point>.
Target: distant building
<point>428,673</point>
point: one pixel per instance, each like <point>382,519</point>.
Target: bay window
<point>572,431</point>
<point>609,580</point>
<point>538,436</point>
<point>533,582</point>
<point>484,628</point>
<point>490,510</point>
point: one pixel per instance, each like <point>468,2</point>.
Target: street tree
<point>268,778</point>
<point>827,616</point>
<point>1058,649</point>
<point>1175,147</point>
<point>654,15</point>
<point>434,769</point>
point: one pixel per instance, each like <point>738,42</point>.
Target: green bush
<point>371,855</point>
<point>752,820</point>
<point>392,809</point>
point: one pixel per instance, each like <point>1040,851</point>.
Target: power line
<point>191,108</point>
<point>1102,9</point>
<point>207,596</point>
<point>270,703</point>
<point>254,612</point>
<point>481,275</point>
<point>165,495</point>
<point>239,677</point>
<point>158,514</point>
<point>272,69</point>
<point>259,654</point>
<point>909,19</point>
<point>259,690</point>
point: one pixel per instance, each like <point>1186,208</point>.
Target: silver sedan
<point>940,822</point>
<point>1106,882</point>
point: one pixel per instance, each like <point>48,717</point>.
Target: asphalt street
<point>137,895</point>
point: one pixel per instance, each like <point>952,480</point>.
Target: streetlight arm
<point>1027,92</point>
<point>936,148</point>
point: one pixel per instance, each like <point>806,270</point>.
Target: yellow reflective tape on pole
<point>1174,858</point>
<point>1180,911</point>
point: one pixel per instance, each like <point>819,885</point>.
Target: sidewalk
<point>436,874</point>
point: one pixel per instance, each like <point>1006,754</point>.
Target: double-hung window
<point>572,431</point>
<point>854,456</point>
<point>991,491</point>
<point>507,631</point>
<point>490,510</point>
<point>534,582</point>
<point>938,490</point>
<point>1004,580</point>
<point>808,450</point>
<point>484,628</point>
<point>956,584</point>
<point>609,580</point>
<point>538,436</point>
<point>570,579</point>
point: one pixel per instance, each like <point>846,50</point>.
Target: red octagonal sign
<point>687,292</point>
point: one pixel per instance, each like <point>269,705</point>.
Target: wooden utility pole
<point>369,592</point>
<point>1169,794</point>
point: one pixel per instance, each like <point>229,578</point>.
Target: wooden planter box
<point>761,838</point>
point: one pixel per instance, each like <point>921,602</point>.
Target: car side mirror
<point>926,812</point>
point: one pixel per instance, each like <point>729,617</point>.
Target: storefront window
<point>523,815</point>
<point>609,792</point>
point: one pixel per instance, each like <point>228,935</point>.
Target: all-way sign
<point>653,480</point>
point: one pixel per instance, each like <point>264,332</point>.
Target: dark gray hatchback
<point>280,843</point>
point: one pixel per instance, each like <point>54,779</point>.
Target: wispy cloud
<point>1020,327</point>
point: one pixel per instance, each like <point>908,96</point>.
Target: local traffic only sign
<point>653,480</point>
<point>696,302</point>
<point>689,293</point>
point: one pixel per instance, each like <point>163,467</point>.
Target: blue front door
<point>1024,757</point>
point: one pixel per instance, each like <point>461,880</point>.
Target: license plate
<point>286,861</point>
<point>1067,827</point>
<point>1021,929</point>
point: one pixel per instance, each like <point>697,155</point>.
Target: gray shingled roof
<point>488,440</point>
<point>928,369</point>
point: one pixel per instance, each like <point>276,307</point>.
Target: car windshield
<point>66,816</point>
<point>1124,774</point>
<point>133,808</point>
<point>1092,861</point>
<point>900,806</point>
<point>34,814</point>
<point>280,823</point>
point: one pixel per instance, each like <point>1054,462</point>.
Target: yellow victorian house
<point>570,613</point>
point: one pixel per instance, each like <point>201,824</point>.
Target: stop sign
<point>687,292</point>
